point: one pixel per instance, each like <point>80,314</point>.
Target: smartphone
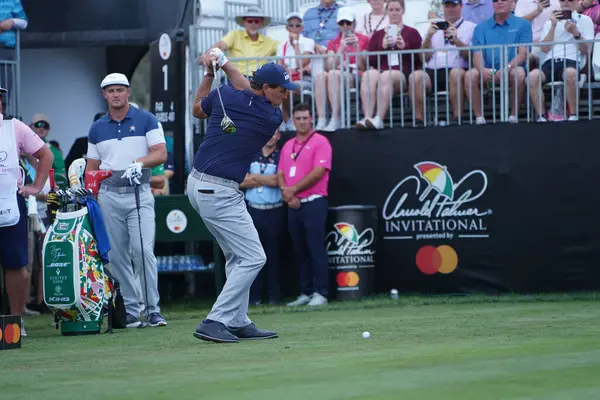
<point>566,14</point>
<point>393,31</point>
<point>442,25</point>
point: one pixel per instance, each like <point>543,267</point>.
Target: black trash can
<point>350,242</point>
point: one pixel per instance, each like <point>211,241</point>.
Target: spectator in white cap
<point>128,141</point>
<point>298,68</point>
<point>346,43</point>
<point>248,42</point>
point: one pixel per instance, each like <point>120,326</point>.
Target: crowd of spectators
<point>330,46</point>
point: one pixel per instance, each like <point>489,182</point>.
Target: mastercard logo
<point>442,259</point>
<point>11,334</point>
<point>347,279</point>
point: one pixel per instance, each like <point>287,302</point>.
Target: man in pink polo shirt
<point>304,167</point>
<point>16,137</point>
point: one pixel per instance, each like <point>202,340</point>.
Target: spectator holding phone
<point>388,72</point>
<point>562,61</point>
<point>502,29</point>
<point>346,43</point>
<point>445,66</point>
<point>537,12</point>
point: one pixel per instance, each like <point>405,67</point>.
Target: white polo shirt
<point>568,51</point>
<point>286,49</point>
<point>119,143</point>
<point>526,7</point>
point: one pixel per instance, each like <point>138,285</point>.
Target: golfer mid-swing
<point>220,166</point>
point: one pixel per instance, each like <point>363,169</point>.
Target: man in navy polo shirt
<point>220,165</point>
<point>128,142</point>
<point>502,29</point>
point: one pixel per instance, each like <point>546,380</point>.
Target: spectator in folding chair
<point>347,42</point>
<point>297,68</point>
<point>445,67</point>
<point>502,29</point>
<point>563,61</point>
<point>538,13</point>
<point>388,70</point>
<point>374,20</point>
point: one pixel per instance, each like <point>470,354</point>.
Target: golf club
<point>227,124</point>
<point>137,206</point>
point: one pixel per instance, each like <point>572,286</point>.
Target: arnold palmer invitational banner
<point>500,208</point>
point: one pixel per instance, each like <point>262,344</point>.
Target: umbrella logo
<point>438,178</point>
<point>348,231</point>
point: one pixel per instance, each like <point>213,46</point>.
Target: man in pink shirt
<point>303,174</point>
<point>17,137</point>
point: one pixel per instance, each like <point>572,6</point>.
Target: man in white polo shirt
<point>445,68</point>
<point>562,61</point>
<point>128,142</point>
<point>298,68</point>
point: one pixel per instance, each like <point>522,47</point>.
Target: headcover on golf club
<point>94,178</point>
<point>76,173</point>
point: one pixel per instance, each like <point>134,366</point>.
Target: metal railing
<point>345,101</point>
<point>10,78</point>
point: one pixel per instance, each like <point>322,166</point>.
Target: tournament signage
<point>163,75</point>
<point>467,209</point>
<point>350,245</point>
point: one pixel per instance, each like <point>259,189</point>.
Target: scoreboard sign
<point>163,75</point>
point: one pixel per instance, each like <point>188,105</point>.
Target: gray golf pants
<point>221,205</point>
<point>121,221</point>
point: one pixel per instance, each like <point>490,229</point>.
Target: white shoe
<point>512,119</point>
<point>480,121</point>
<point>375,123</point>
<point>317,300</point>
<point>542,119</point>
<point>23,331</point>
<point>573,118</point>
<point>302,300</point>
<point>333,125</point>
<point>321,124</point>
<point>362,124</point>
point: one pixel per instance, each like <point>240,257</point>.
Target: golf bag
<point>76,286</point>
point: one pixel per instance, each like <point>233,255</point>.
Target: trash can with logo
<point>350,242</point>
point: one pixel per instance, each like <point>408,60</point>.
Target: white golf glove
<point>218,53</point>
<point>133,173</point>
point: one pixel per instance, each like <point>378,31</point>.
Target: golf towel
<point>98,228</point>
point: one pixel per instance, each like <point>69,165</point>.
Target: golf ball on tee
<point>366,335</point>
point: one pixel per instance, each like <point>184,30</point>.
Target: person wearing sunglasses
<point>562,62</point>
<point>41,126</point>
<point>346,43</point>
<point>504,28</point>
<point>298,69</point>
<point>247,43</point>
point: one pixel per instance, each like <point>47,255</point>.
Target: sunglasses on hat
<point>42,124</point>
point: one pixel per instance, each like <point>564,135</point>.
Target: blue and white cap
<point>274,74</point>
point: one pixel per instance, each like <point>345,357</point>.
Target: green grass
<point>473,347</point>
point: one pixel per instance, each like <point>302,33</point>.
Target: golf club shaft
<point>137,206</point>
<point>218,91</point>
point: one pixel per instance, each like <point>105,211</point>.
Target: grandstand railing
<point>495,99</point>
<point>10,76</point>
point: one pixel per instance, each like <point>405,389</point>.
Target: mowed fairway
<point>544,347</point>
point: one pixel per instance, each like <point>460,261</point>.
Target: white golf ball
<point>366,335</point>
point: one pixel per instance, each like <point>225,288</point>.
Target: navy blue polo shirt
<point>226,155</point>
<point>514,30</point>
<point>119,143</point>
